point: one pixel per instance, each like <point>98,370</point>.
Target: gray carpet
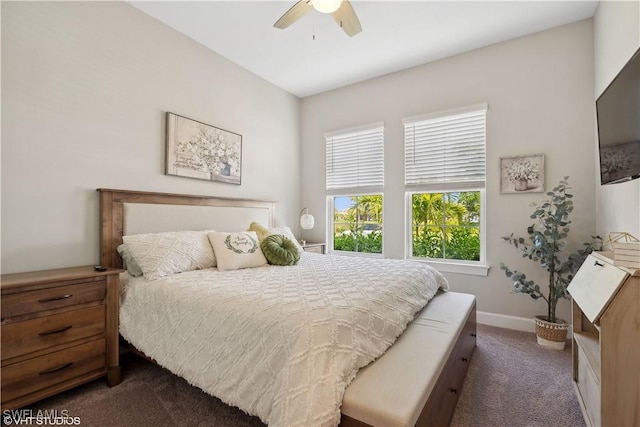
<point>511,382</point>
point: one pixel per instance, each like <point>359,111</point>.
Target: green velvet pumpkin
<point>280,250</point>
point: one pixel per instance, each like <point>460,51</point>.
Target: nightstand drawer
<point>41,333</point>
<point>52,298</point>
<point>41,372</point>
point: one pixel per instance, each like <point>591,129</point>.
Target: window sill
<point>475,269</point>
<point>359,254</point>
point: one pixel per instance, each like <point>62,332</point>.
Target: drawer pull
<point>53,370</point>
<point>473,334</point>
<point>599,264</point>
<point>453,390</point>
<point>65,296</point>
<point>464,359</point>
<point>55,331</point>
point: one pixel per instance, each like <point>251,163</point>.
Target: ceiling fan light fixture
<point>326,6</point>
<point>341,11</point>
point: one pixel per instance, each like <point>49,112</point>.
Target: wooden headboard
<point>112,218</point>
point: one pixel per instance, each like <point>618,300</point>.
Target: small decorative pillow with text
<point>163,254</point>
<point>264,232</point>
<point>237,250</point>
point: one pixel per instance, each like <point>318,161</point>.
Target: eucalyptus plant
<point>546,240</point>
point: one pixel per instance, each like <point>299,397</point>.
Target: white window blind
<point>355,159</point>
<point>447,149</point>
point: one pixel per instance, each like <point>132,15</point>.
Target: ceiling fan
<point>341,10</point>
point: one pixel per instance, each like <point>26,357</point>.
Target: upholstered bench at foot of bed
<point>418,380</point>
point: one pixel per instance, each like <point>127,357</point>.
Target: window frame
<point>331,225</point>
<point>480,267</point>
<point>477,268</point>
<point>355,190</point>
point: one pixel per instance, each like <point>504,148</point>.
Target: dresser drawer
<point>25,337</point>
<point>589,388</point>
<point>466,345</point>
<point>36,374</point>
<point>52,298</point>
<point>463,351</point>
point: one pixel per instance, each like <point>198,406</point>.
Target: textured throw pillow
<point>263,232</point>
<point>163,254</point>
<point>129,263</point>
<point>237,250</point>
<point>280,250</point>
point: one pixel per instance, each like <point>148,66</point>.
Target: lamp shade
<point>307,221</point>
<point>326,6</point>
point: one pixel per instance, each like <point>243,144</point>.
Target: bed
<point>416,381</point>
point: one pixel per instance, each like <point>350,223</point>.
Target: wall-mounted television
<point>618,112</point>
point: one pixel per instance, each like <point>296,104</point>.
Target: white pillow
<point>237,250</point>
<point>163,254</point>
<point>286,231</point>
<point>129,262</point>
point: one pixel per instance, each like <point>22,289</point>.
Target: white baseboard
<point>508,322</point>
<point>504,321</point>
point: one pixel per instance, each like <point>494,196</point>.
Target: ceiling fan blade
<point>296,12</point>
<point>346,17</point>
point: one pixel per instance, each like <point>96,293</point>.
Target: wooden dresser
<point>606,342</point>
<point>59,329</point>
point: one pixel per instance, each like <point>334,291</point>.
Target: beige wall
<point>539,92</point>
<point>85,88</point>
<point>616,38</point>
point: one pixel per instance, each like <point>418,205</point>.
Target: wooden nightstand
<point>59,329</point>
<point>318,248</point>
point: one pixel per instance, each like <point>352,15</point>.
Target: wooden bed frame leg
<point>114,376</point>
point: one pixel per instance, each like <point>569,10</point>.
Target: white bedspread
<point>282,343</point>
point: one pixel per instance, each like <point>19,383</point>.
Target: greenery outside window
<point>446,225</point>
<point>357,223</point>
<point>355,179</point>
<point>445,184</point>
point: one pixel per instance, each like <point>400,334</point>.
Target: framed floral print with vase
<point>522,174</point>
<point>198,150</point>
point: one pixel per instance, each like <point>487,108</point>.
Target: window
<point>446,225</point>
<point>445,183</point>
<point>357,223</point>
<point>355,178</point>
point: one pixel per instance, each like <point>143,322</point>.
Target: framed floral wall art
<point>198,150</point>
<point>522,174</point>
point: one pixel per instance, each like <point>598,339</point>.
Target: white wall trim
<point>506,321</point>
<point>509,322</point>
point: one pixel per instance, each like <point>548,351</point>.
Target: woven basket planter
<point>551,335</point>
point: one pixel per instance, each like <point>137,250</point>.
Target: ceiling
<point>314,55</point>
